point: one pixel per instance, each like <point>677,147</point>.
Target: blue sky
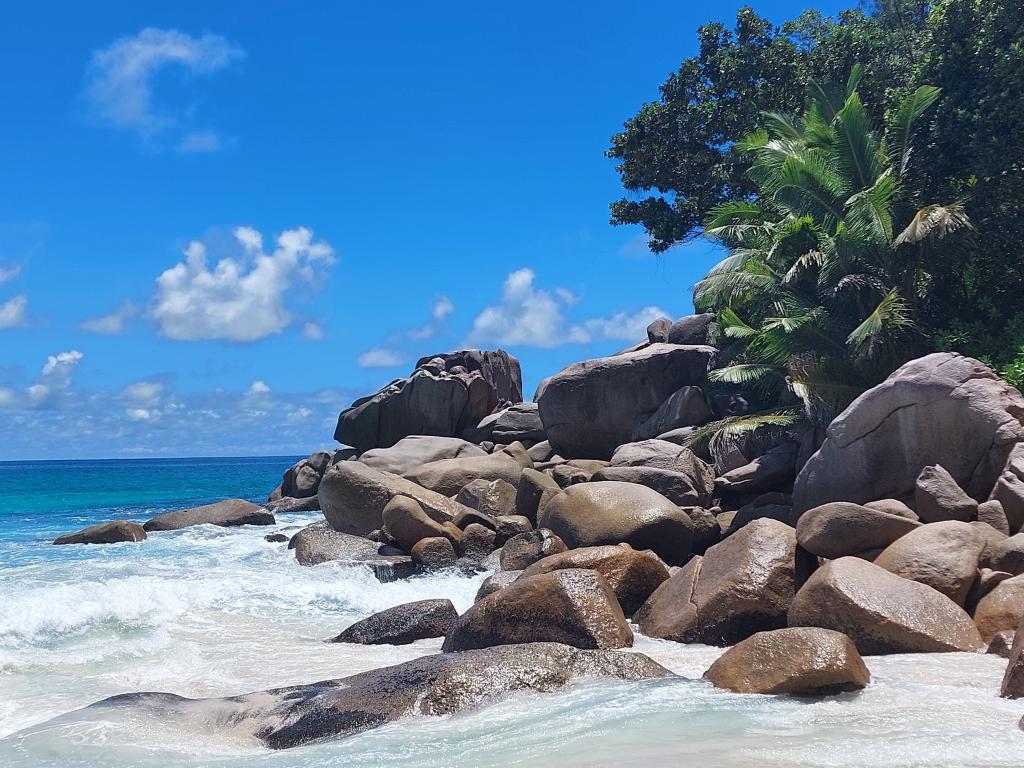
<point>219,227</point>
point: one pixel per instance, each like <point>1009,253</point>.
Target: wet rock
<point>1013,680</point>
<point>633,576</point>
<point>434,554</point>
<point>939,409</point>
<point>229,513</point>
<point>575,607</point>
<point>276,538</point>
<point>840,528</point>
<point>1001,609</point>
<point>942,555</point>
<point>403,624</point>
<point>477,543</point>
<point>591,514</point>
<point>524,549</point>
<point>741,586</point>
<point>112,532</point>
<point>353,497</point>
<point>496,581</point>
<point>583,408</point>
<point>881,612</point>
<point>1001,644</point>
<point>706,530</point>
<point>435,685</point>
<point>757,510</point>
<point>319,543</point>
<point>415,450</point>
<point>801,661</point>
<point>288,504</point>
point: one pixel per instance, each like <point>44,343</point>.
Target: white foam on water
<point>214,612</point>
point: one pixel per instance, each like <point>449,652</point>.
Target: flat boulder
<point>633,576</point>
<point>841,528</point>
<point>403,624</point>
<point>740,586</point>
<point>592,514</point>
<point>226,514</point>
<point>575,607</point>
<point>586,411</point>
<point>1001,609</point>
<point>942,555</point>
<point>800,661</point>
<point>881,612</point>
<point>434,685</point>
<point>518,423</point>
<point>353,496</point>
<point>112,532</point>
<point>414,450</point>
<point>449,476</point>
<point>939,409</point>
<point>319,543</point>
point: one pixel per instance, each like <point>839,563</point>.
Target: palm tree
<point>819,291</point>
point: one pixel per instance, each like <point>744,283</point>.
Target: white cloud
<point>442,308</point>
<point>240,299</point>
<point>14,312</point>
<point>143,392</point>
<point>8,397</point>
<point>534,317</point>
<point>9,273</point>
<point>312,331</point>
<point>378,357</point>
<point>63,363</point>
<point>141,414</point>
<point>120,78</point>
<point>197,142</point>
<point>113,324</point>
<point>259,387</point>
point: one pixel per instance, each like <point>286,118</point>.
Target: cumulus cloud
<point>259,387</point>
<point>239,299</point>
<point>312,331</point>
<point>140,414</point>
<point>379,357</point>
<point>14,312</point>
<point>442,308</point>
<point>113,324</point>
<point>9,273</point>
<point>54,380</point>
<point>535,317</point>
<point>143,392</point>
<point>119,82</point>
<point>62,363</point>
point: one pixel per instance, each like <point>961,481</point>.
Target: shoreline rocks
<point>112,532</point>
<point>226,514</point>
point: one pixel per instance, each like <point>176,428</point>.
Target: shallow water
<point>213,612</point>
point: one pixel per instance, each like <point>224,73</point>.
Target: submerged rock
<point>802,661</point>
<point>441,684</point>
<point>403,624</point>
<point>228,513</point>
<point>319,543</point>
<point>112,532</point>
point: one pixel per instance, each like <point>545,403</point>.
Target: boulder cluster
<point>597,516</point>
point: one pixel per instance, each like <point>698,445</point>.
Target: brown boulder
<point>942,555</point>
<point>112,532</point>
<point>1013,679</point>
<point>524,549</point>
<point>226,514</point>
<point>1001,609</point>
<point>403,624</point>
<point>632,575</point>
<point>801,661</point>
<point>534,491</point>
<point>1006,554</point>
<point>741,586</point>
<point>881,612</point>
<point>575,607</point>
<point>840,528</point>
<point>406,522</point>
<point>449,476</point>
<point>591,514</point>
<point>490,497</point>
<point>434,553</point>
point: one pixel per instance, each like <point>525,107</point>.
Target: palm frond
<point>745,373</point>
<point>717,436</point>
<point>901,127</point>
<point>857,147</point>
<point>870,210</point>
<point>733,326</point>
<point>936,222</point>
<point>892,312</point>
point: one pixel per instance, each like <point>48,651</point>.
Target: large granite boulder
<point>227,514</point>
<point>591,514</point>
<point>1009,489</point>
<point>319,543</point>
<point>1001,609</point>
<point>939,409</point>
<point>406,522</point>
<point>575,607</point>
<point>449,476</point>
<point>881,612</point>
<point>801,661</point>
<point>632,575</point>
<point>937,497</point>
<point>403,624</point>
<point>671,470</point>
<point>740,586</point>
<point>435,685</point>
<point>410,452</point>
<point>444,396</point>
<point>686,407</point>
<point>942,555</point>
<point>518,423</point>
<point>353,496</point>
<point>590,408</point>
<point>840,528</point>
<point>302,479</point>
<point>772,471</point>
<point>112,532</point>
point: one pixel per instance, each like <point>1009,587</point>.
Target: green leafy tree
<point>677,156</point>
<point>828,261</point>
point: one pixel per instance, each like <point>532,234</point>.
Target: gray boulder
<point>403,624</point>
<point>410,452</point>
<point>686,407</point>
<point>445,395</point>
<point>591,514</point>
<point>939,409</point>
<point>302,479</point>
<point>657,331</point>
<point>353,496</point>
<point>520,422</point>
<point>840,528</point>
<point>673,471</point>
<point>495,498</point>
<point>319,543</point>
<point>942,555</point>
<point>691,329</point>
<point>772,471</point>
<point>524,549</point>
<point>937,497</point>
<point>449,476</point>
<point>586,410</point>
<point>227,514</point>
<point>112,532</point>
<point>1009,489</point>
<point>434,685</point>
